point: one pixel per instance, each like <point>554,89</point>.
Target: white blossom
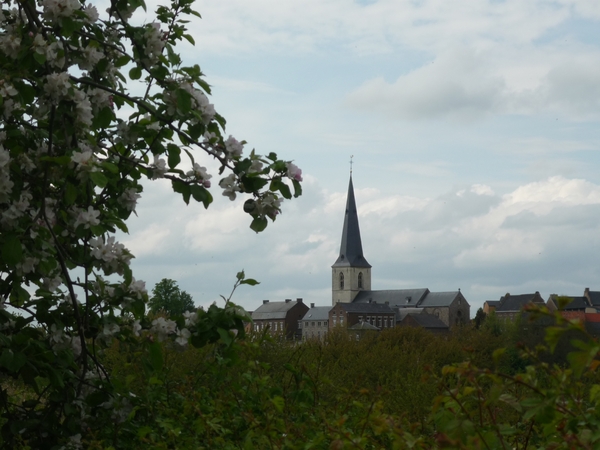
<point>191,317</point>
<point>154,42</point>
<point>56,9</point>
<point>159,167</point>
<point>83,106</point>
<point>10,42</point>
<point>110,329</point>
<point>91,12</point>
<point>113,254</point>
<point>182,337</point>
<point>230,186</point>
<point>128,199</point>
<point>200,173</point>
<point>57,85</point>
<point>294,172</point>
<point>136,327</point>
<point>255,167</point>
<point>87,218</point>
<point>138,288</point>
<point>52,52</point>
<point>91,56</point>
<point>163,327</point>
<point>233,147</point>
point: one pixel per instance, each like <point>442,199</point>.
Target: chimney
<point>299,300</point>
<point>312,305</point>
<point>265,302</point>
<point>370,300</point>
<point>287,300</point>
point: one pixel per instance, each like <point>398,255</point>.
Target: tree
<point>479,318</point>
<point>166,296</point>
<point>92,107</point>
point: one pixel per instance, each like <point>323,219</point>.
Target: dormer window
<point>360,280</point>
<point>341,280</point>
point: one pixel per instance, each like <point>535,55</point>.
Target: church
<point>354,298</point>
<point>355,306</point>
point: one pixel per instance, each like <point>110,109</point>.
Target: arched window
<point>341,280</point>
<point>360,283</point>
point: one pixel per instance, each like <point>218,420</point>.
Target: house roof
<point>396,297</point>
<point>493,303</point>
<point>401,313</point>
<point>273,310</point>
<point>351,253</point>
<point>428,321</point>
<point>317,313</point>
<point>594,297</point>
<point>576,303</point>
<point>510,303</point>
<point>363,326</point>
<point>378,308</point>
<point>439,299</point>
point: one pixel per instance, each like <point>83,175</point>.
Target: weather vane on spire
<point>351,156</point>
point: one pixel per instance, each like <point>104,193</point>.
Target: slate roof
<point>594,298</point>
<point>396,297</point>
<point>428,321</point>
<point>401,313</point>
<point>351,253</point>
<point>439,299</point>
<point>273,310</point>
<point>317,313</point>
<point>512,303</point>
<point>576,303</point>
<point>363,326</point>
<point>377,308</point>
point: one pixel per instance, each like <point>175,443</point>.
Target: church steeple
<point>351,253</point>
<point>351,273</point>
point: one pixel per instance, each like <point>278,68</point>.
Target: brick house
<point>346,315</point>
<point>280,318</point>
<point>510,306</point>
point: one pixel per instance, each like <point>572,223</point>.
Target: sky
<point>473,127</point>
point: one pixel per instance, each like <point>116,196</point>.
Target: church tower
<point>351,273</point>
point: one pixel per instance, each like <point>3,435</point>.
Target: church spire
<point>351,253</point>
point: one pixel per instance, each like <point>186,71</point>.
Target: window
<point>318,324</point>
<point>360,280</point>
<point>341,320</point>
<point>385,322</point>
<point>379,321</point>
<point>360,318</point>
<point>312,324</point>
<point>341,280</point>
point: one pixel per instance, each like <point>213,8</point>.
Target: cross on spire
<point>351,162</point>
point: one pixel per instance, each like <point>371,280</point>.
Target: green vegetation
<point>168,298</point>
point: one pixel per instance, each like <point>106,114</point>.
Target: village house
<point>280,318</point>
<point>315,323</point>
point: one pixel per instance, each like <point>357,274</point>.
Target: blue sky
<point>474,130</point>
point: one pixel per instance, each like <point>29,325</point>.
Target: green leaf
<point>174,155</point>
<point>184,189</point>
<point>99,179</point>
<point>250,282</point>
<point>200,194</point>
<point>12,252</point>
<point>184,100</point>
<point>155,356</point>
<point>297,188</point>
<point>189,38</point>
<point>135,73</point>
<point>40,59</point>
<point>104,117</point>
<point>259,224</point>
<point>70,194</point>
<point>279,403</point>
<point>225,336</point>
